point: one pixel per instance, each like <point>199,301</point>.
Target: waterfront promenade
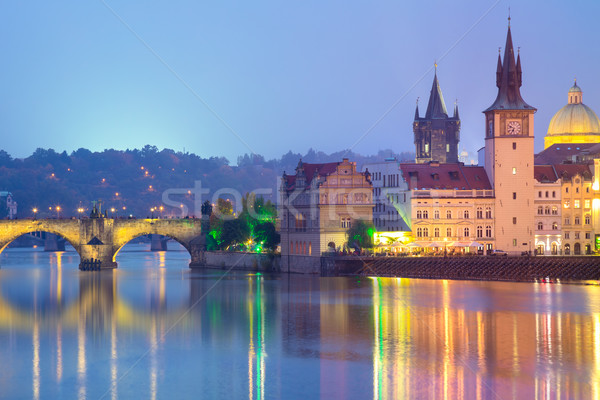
<point>520,269</point>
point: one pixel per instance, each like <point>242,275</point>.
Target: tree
<point>360,234</point>
<point>266,234</point>
<point>235,231</point>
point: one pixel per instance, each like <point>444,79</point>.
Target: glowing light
<point>150,187</point>
<point>117,194</point>
<point>103,180</point>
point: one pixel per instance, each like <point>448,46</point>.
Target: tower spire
<point>508,80</point>
<point>417,110</point>
<point>436,108</point>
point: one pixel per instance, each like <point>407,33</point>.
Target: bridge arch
<point>13,229</point>
<point>118,246</point>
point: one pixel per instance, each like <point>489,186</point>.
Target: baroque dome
<point>574,123</point>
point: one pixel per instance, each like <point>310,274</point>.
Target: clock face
<point>513,128</point>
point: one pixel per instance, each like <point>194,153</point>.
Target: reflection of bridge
<point>102,238</point>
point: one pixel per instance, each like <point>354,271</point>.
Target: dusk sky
<point>227,79</point>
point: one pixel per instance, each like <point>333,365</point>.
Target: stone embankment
<point>520,269</point>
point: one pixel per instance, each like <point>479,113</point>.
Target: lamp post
<point>35,210</point>
<point>112,210</point>
<point>58,212</point>
<point>152,213</point>
<point>80,211</point>
<point>161,208</point>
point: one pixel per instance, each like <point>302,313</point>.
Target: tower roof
<point>508,80</point>
<point>436,108</point>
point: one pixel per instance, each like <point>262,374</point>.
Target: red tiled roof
<point>544,173</point>
<point>570,170</point>
<point>309,171</point>
<point>445,176</point>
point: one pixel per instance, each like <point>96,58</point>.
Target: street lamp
<point>58,212</point>
<point>152,211</point>
<point>35,210</point>
<point>80,211</point>
<point>161,208</point>
<point>112,210</point>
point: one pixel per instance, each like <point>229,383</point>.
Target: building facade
<point>317,206</point>
<point>391,199</point>
<point>548,215</point>
<point>452,206</point>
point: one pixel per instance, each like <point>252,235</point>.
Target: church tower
<point>436,135</point>
<point>509,156</point>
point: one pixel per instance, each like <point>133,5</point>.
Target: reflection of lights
<point>36,360</point>
<point>256,352</point>
<point>81,361</point>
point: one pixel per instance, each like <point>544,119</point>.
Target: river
<point>154,329</point>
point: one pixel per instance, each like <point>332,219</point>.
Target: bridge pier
<point>158,243</point>
<point>99,252</point>
<point>53,243</point>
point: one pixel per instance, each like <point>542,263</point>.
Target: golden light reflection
<point>81,360</point>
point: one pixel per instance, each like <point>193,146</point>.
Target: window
<point>567,235</point>
<point>425,214</point>
<point>554,226</point>
<point>480,231</point>
<point>488,231</point>
<point>449,214</point>
<point>575,203</point>
<point>587,235</point>
<point>586,204</point>
<point>576,235</point>
<point>514,195</point>
<point>419,232</point>
<point>488,212</point>
<point>587,189</point>
<point>514,145</point>
<point>479,212</point>
<point>448,232</point>
<point>576,190</point>
<point>567,221</point>
<point>567,204</point>
<point>554,210</point>
<point>566,190</point>
<point>547,210</point>
<point>540,226</point>
<point>587,219</point>
<point>577,221</point>
<point>540,194</point>
<point>466,214</point>
<point>419,214</point>
<point>447,148</point>
<point>514,170</point>
<point>540,210</point>
<point>436,214</point>
<point>514,220</point>
<point>547,194</point>
<point>436,232</point>
<point>426,232</point>
<point>466,232</point>
<point>515,242</point>
<point>553,194</point>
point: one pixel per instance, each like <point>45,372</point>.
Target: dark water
<point>155,329</point>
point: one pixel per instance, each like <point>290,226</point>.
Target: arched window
<point>479,213</point>
<point>547,194</point>
<point>426,232</point>
<point>419,214</point>
<point>540,210</point>
<point>425,214</point>
<point>554,226</point>
<point>436,232</point>
<point>436,214</point>
<point>466,214</point>
<point>419,232</point>
<point>587,219</point>
<point>488,231</point>
<point>577,249</point>
<point>466,232</point>
<point>547,210</point>
<point>488,212</point>
<point>448,232</point>
<point>567,249</point>
<point>479,231</point>
<point>540,226</point>
<point>449,214</point>
<point>577,220</point>
<point>554,210</point>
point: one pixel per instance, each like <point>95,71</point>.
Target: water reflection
<point>155,329</point>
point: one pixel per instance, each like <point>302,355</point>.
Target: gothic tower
<point>509,156</point>
<point>436,135</point>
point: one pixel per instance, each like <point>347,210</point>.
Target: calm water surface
<point>155,329</point>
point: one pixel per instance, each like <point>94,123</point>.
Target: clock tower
<point>509,156</point>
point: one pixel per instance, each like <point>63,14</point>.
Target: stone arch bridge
<point>101,239</point>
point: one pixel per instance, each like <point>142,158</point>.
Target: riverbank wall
<point>239,261</point>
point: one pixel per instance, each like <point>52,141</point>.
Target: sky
<point>229,78</point>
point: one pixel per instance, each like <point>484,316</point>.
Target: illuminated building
<point>437,134</point>
<point>8,205</point>
<point>452,205</point>
<point>574,123</point>
<point>318,204</point>
<point>391,201</point>
<point>547,203</point>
